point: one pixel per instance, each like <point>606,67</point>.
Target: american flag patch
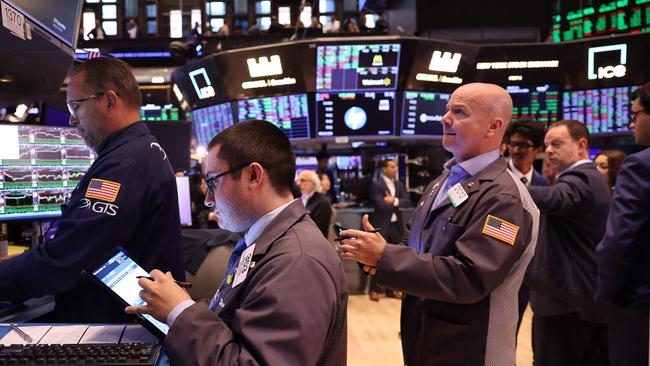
<point>500,229</point>
<point>104,190</point>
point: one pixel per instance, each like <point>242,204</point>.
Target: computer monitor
<point>422,113</point>
<point>184,202</point>
<point>603,110</point>
<point>209,121</point>
<point>540,103</point>
<point>355,114</point>
<point>39,168</point>
<point>58,17</point>
<point>357,66</point>
<point>290,113</point>
<point>156,112</point>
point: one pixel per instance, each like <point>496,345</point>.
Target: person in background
<point>284,298</point>
<point>387,196</point>
<point>196,31</point>
<point>608,163</point>
<point>202,216</point>
<point>322,167</point>
<point>315,23</point>
<point>254,29</point>
<point>224,31</point>
<point>334,26</point>
<point>472,236</point>
<point>275,26</point>
<point>381,25</point>
<point>548,171</point>
<point>318,205</point>
<point>132,28</point>
<point>575,212</point>
<point>97,32</point>
<point>351,26</point>
<point>126,198</point>
<point>624,253</point>
<point>326,186</point>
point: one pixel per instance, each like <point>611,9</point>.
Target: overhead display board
<point>520,64</point>
<point>290,113</point>
<point>422,113</point>
<point>540,103</point>
<point>355,114</point>
<point>603,110</point>
<point>209,121</point>
<point>578,19</point>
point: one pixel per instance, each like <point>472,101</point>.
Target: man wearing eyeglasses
<point>575,211</point>
<point>624,253</point>
<point>127,197</point>
<point>283,300</point>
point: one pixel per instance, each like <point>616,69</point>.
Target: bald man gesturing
<point>472,235</point>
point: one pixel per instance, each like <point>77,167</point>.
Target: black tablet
<point>118,274</point>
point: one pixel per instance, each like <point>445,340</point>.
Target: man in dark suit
<point>387,196</point>
<point>472,236</point>
<point>624,253</point>
<point>283,300</point>
<point>524,140</point>
<point>575,211</point>
<point>318,205</point>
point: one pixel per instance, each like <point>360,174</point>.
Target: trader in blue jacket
<point>624,253</point>
<point>127,197</point>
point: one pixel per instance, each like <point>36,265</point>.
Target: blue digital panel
<point>602,110</point>
<point>357,67</point>
<point>209,121</point>
<point>422,113</point>
<point>290,113</point>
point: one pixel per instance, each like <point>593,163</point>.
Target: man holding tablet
<point>283,300</point>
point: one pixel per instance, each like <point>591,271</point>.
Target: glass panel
<point>370,20</point>
<point>216,8</point>
<point>151,10</point>
<point>324,19</point>
<point>109,1</point>
<point>326,6</point>
<point>152,27</point>
<point>241,6</point>
<point>110,27</point>
<point>92,1</point>
<point>350,5</point>
<point>109,11</point>
<point>175,24</point>
<point>131,8</point>
<point>195,17</point>
<point>263,7</point>
<point>284,15</point>
<point>305,16</point>
<point>240,23</point>
<point>264,22</point>
<point>88,23</point>
<point>216,24</point>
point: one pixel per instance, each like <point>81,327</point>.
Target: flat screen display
<point>422,113</point>
<point>540,103</point>
<point>39,168</point>
<point>155,112</point>
<point>357,67</point>
<point>290,113</point>
<point>602,110</point>
<point>355,114</point>
<point>59,17</point>
<point>209,121</point>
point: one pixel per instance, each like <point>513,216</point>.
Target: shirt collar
<point>475,164</point>
<point>579,162</point>
<point>260,225</point>
<point>518,174</point>
<point>387,180</point>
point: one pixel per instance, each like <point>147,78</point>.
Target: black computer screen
<point>290,113</point>
<point>355,114</point>
<point>422,113</point>
<point>59,17</point>
<point>357,67</point>
<point>603,110</point>
<point>156,112</point>
<point>209,121</point>
<point>540,103</point>
<point>39,168</point>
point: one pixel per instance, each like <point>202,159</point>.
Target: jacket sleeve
<point>480,262</point>
<point>276,324</point>
<point>629,212</point>
<point>377,199</point>
<point>569,195</point>
<point>88,229</point>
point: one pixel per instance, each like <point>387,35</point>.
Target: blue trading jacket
<point>128,197</point>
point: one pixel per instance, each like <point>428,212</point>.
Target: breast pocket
<point>442,236</point>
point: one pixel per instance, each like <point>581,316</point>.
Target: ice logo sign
<point>263,67</point>
<point>444,62</point>
<point>202,84</point>
<point>607,71</point>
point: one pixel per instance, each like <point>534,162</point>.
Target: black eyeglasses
<point>521,145</point>
<point>73,105</point>
<point>211,182</point>
<point>635,114</point>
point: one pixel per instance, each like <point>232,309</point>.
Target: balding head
<point>477,117</point>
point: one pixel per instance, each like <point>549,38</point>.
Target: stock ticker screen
<point>155,112</point>
<point>357,67</point>
<point>209,121</point>
<point>422,113</point>
<point>290,113</point>
<point>578,20</point>
<point>603,110</point>
<point>39,168</point>
<point>540,103</point>
<point>355,114</point>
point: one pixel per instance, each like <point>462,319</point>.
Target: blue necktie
<point>456,175</point>
<point>232,263</point>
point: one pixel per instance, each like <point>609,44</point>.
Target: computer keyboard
<point>80,354</point>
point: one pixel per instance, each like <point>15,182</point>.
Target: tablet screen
<point>120,275</point>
